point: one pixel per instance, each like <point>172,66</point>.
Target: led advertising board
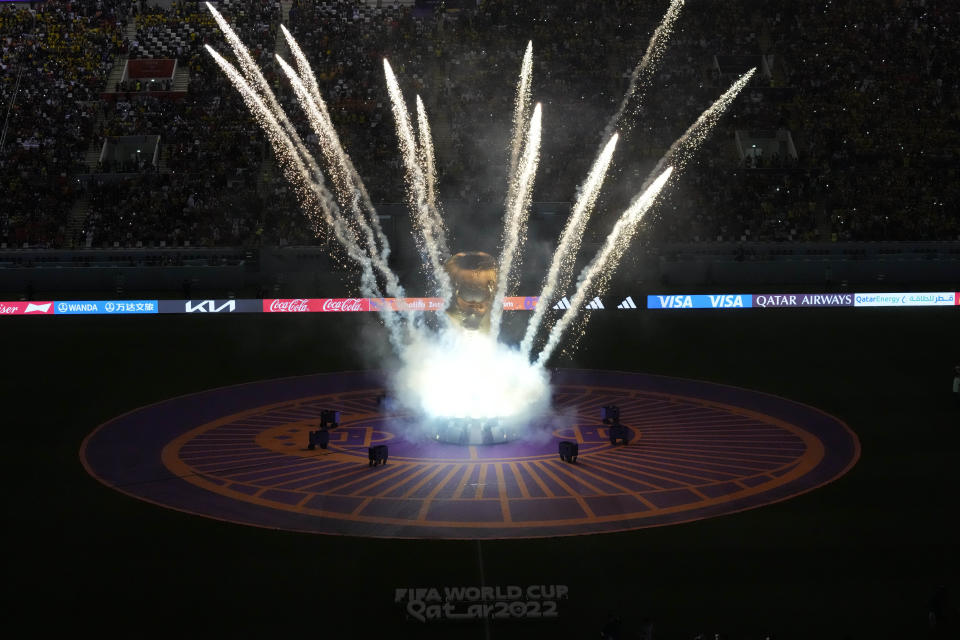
<point>915,299</point>
<point>314,305</point>
<point>716,301</point>
<point>23,307</point>
<point>211,306</point>
<point>769,300</point>
<point>105,307</point>
<point>412,304</point>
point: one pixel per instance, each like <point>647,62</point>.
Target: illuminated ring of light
<point>698,450</point>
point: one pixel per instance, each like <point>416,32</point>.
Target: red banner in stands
<point>150,68</point>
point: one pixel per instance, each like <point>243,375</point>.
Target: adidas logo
<point>563,304</point>
<point>594,304</point>
<point>627,304</point>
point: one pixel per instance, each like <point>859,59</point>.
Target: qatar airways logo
<point>803,300</point>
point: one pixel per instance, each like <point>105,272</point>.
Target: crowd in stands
<point>169,208</point>
<point>53,61</point>
<point>876,139</point>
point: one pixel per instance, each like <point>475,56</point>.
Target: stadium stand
<point>872,143</point>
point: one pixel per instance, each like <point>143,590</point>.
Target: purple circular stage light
<point>697,450</point>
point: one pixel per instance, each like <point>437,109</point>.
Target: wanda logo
<point>343,304</point>
<point>298,304</point>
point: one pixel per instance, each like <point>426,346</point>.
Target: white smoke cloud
<point>464,374</point>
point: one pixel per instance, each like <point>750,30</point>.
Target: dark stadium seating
<point>870,163</point>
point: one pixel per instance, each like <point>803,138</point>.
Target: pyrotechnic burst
<point>515,219</point>
<point>561,266</point>
<point>450,372</point>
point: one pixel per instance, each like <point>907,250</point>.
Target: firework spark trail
<point>521,115</point>
<point>428,162</point>
<point>681,151</point>
<point>259,84</point>
<point>319,119</point>
<point>515,227</point>
<point>563,258</point>
<point>340,171</point>
<point>303,66</point>
<point>294,164</point>
<point>313,195</point>
<point>645,69</point>
<point>416,183</point>
<point>616,243</point>
<point>683,148</point>
<point>310,80</point>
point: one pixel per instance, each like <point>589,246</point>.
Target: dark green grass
<point>861,556</point>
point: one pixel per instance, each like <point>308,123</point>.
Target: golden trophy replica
<point>473,275</point>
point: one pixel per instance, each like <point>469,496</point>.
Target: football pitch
<point>862,555</point>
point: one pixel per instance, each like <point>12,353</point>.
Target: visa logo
<point>675,302</point>
<point>700,301</point>
<point>726,301</point>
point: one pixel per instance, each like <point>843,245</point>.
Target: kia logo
<point>209,306</point>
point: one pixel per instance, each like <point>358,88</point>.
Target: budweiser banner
<point>20,308</point>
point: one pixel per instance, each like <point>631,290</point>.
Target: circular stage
<point>696,450</point>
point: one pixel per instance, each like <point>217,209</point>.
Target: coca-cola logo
<point>297,304</point>
<point>343,304</point>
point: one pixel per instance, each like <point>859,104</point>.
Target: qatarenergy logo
<point>429,604</point>
<point>920,299</point>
